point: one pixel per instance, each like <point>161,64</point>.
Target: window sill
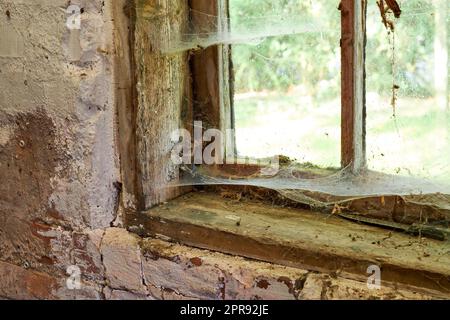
<point>297,238</point>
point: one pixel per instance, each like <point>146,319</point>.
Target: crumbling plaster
<point>59,167</point>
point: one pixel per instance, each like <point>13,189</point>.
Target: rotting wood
<point>297,238</point>
<point>163,97</point>
<point>424,230</point>
<point>126,100</point>
<point>395,8</point>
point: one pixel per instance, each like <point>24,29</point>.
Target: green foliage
<point>277,63</point>
<point>312,60</point>
<point>407,53</point>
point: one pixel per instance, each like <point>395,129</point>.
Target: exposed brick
<point>202,282</point>
<point>219,276</point>
<point>122,261</point>
<point>19,283</point>
<point>124,295</point>
<point>312,288</point>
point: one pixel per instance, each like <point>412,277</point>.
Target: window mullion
<point>353,39</point>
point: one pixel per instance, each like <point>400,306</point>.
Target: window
<point>287,97</point>
<point>322,91</point>
<point>275,80</point>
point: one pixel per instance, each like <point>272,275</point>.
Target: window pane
<point>408,123</point>
<point>287,87</point>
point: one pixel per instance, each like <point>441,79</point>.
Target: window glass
<point>287,86</point>
<point>408,123</point>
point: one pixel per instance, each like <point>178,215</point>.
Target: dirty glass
<point>287,87</point>
<point>408,115</point>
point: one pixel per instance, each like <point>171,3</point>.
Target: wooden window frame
<point>200,87</point>
<point>149,110</point>
<point>211,76</point>
<point>218,113</point>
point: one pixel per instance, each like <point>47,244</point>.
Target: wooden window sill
<point>297,238</point>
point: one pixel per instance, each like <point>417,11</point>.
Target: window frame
<point>149,108</point>
<point>145,126</point>
<point>218,112</point>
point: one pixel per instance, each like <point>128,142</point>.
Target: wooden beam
<point>353,41</point>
